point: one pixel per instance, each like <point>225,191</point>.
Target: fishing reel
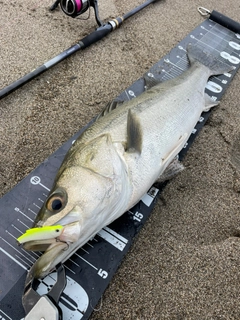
<point>74,8</point>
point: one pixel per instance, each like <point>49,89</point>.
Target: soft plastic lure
<point>47,232</point>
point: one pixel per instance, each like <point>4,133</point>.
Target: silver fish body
<point>116,160</point>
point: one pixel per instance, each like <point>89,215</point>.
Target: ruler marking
<point>11,235</point>
<point>115,234</point>
<point>117,243</point>
<point>32,211</point>
<point>23,223</point>
<point>14,248</point>
<point>84,250</point>
<point>206,44</point>
<point>221,30</point>
<point>69,269</point>
<point>86,261</point>
<point>36,205</point>
<point>74,262</point>
<point>127,94</point>
<point>90,245</point>
<point>30,255</point>
<point>29,265</point>
<point>15,260</point>
<point>25,215</point>
<point>42,185</point>
<point>5,314</point>
<point>16,228</point>
<point>173,64</point>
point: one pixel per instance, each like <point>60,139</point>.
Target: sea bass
<point>117,159</point>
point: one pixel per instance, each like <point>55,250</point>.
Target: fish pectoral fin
<point>209,103</point>
<point>134,134</point>
<point>177,148</point>
<point>110,106</point>
<point>174,167</point>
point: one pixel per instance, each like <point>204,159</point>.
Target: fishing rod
<point>93,37</point>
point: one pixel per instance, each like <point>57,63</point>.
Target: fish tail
<point>196,54</point>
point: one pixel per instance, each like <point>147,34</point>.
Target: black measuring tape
<point>92,267</point>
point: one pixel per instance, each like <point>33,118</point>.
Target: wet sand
<point>184,263</point>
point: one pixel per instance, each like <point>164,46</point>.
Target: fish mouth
<point>47,262</point>
<point>70,233</point>
<point>55,249</point>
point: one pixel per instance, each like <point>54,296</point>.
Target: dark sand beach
<point>184,263</point>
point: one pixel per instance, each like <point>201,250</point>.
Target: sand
<point>184,263</point>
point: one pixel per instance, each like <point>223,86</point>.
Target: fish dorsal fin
<point>109,107</point>
<point>150,80</point>
<point>134,134</point>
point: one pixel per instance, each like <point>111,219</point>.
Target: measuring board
<point>91,268</point>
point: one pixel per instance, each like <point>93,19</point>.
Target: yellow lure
<point>47,232</point>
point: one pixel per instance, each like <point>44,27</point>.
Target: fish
<point>120,156</point>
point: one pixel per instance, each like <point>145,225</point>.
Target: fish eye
<point>55,203</point>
